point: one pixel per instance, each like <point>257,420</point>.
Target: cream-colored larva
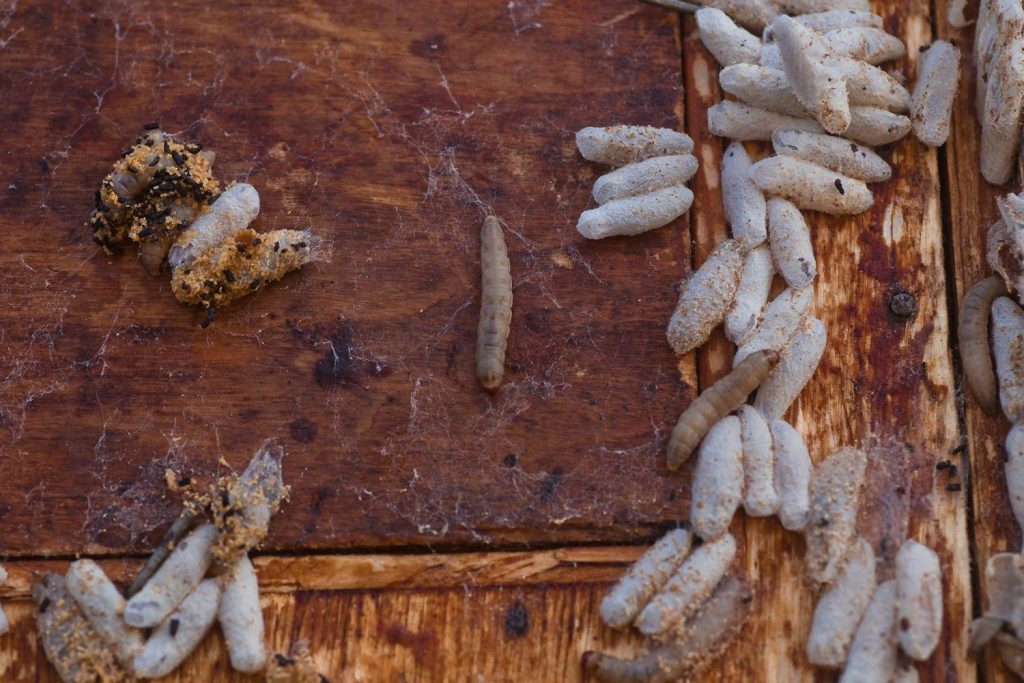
<point>870,86</point>
<point>873,653</point>
<point>635,215</point>
<point>621,145</point>
<point>696,577</point>
<point>744,205</point>
<point>717,401</point>
<point>790,241</point>
<point>815,6</point>
<point>955,16</point>
<point>931,104</point>
<point>792,475</point>
<point>178,575</point>
<point>495,305</point>
<point>645,578</point>
<point>103,605</point>
<point>708,632</point>
<point>641,177</point>
<point>241,619</point>
<point>1008,347</point>
<point>177,531</point>
<point>1005,243</point>
<point>918,599</point>
<point>841,607</point>
<point>738,121</point>
<point>837,19</point>
<point>717,488</point>
<point>873,126</point>
<point>760,499</point>
<point>1001,118</point>
<point>705,297</point>
<point>868,44</point>
<point>244,507</point>
<point>1004,583</point>
<point>1014,471</point>
<point>725,40</point>
<point>752,15</point>
<point>975,358</point>
<point>751,295</point>
<point>179,634</point>
<point>838,154</point>
<point>806,59</point>
<point>810,186</point>
<point>1000,23</point>
<point>797,364</point>
<point>835,500</point>
<point>766,87</point>
<point>780,322</point>
<point>234,210</point>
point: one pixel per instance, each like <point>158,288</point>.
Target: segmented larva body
<point>705,298</point>
<point>751,294</point>
<point>838,19</point>
<point>233,210</point>
<point>645,578</point>
<point>814,6</point>
<point>973,335</point>
<point>810,186</point>
<point>179,634</point>
<point>178,575</point>
<point>1001,118</point>
<point>1008,345</point>
<point>744,205</point>
<point>752,15</point>
<point>841,607</point>
<point>635,215</point>
<point>760,499</point>
<point>241,619</point>
<point>764,87</point>
<point>819,88</point>
<point>242,510</point>
<point>918,599</point>
<point>642,177</point>
<point>873,652</point>
<point>703,637</point>
<point>696,577</point>
<point>796,366</point>
<point>780,322</point>
<point>931,105</point>
<point>738,121</point>
<point>873,126</point>
<point>834,153</point>
<point>870,86</point>
<point>835,500</point>
<point>999,23</point>
<point>103,606</point>
<point>792,475</point>
<point>621,145</point>
<point>725,40</point>
<point>717,401</point>
<point>1014,471</point>
<point>717,488</point>
<point>790,241</point>
<point>868,44</point>
<point>495,305</point>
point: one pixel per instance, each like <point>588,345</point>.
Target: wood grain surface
<point>436,533</point>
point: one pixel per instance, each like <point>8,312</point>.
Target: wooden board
<point>393,129</point>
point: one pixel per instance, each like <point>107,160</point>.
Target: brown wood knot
<point>517,620</point>
<point>903,304</point>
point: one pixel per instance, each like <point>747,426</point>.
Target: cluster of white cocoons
<point>999,67</point>
<point>647,190</point>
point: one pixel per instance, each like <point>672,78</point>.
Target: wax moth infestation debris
<point>162,194</point>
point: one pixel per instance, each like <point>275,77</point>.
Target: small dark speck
<point>900,490</point>
<point>903,304</point>
<point>959,449</point>
<point>839,186</point>
<point>953,487</point>
<point>151,126</point>
<point>510,460</point>
<point>747,598</point>
<point>172,627</point>
<point>517,620</point>
<point>282,660</point>
<point>302,430</point>
<point>549,485</point>
<point>952,471</point>
<point>904,624</point>
<point>185,481</point>
<point>44,165</point>
<point>943,465</point>
<point>44,605</point>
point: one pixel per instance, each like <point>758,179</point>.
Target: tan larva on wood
<point>179,634</point>
<point>840,608</point>
<point>838,154</point>
<point>717,401</point>
<point>806,60</point>
<point>695,579</point>
<point>645,578</point>
<point>705,298</point>
<point>621,145</point>
<point>1001,118</point>
<point>727,42</point>
<point>744,205</point>
<point>103,605</point>
<point>835,501</point>
<point>931,105</point>
<point>760,499</point>
<point>635,215</point>
<point>918,599</point>
<point>780,322</point>
<point>717,488</point>
<point>873,652</point>
<point>796,366</point>
<point>738,121</point>
<point>792,475</point>
<point>1014,470</point>
<point>751,295</point>
<point>645,176</point>
<point>810,186</point>
<point>495,305</point>
<point>241,619</point>
<point>975,357</point>
<point>790,241</point>
<point>1008,347</point>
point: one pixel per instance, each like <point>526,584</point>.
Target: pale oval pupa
<point>102,604</point>
<point>874,126</point>
<point>725,40</point>
<point>738,121</point>
<point>760,499</point>
<point>751,295</point>
<point>815,6</point>
<point>642,177</point>
<point>495,305</point>
<point>797,364</point>
<point>780,322</point>
<point>835,19</point>
<point>717,488</point>
<point>869,86</point>
<point>868,44</point>
<point>635,215</point>
<point>792,475</point>
<point>1001,118</point>
<point>760,86</point>
<point>1000,22</point>
<point>810,186</point>
<point>1004,582</point>
<point>841,607</point>
<point>696,577</point>
<point>705,298</point>
<point>819,88</point>
<point>241,619</point>
<point>645,578</point>
<point>790,241</point>
<point>931,104</point>
<point>975,357</point>
<point>752,15</point>
<point>1014,471</point>
<point>717,401</point>
<point>244,506</point>
<point>838,154</point>
<point>835,501</point>
<point>918,599</point>
<point>621,145</point>
<point>744,205</point>
<point>873,652</point>
<point>179,634</point>
<point>233,210</point>
<point>1008,347</point>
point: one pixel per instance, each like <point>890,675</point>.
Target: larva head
<point>491,380</point>
<point>768,356</point>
